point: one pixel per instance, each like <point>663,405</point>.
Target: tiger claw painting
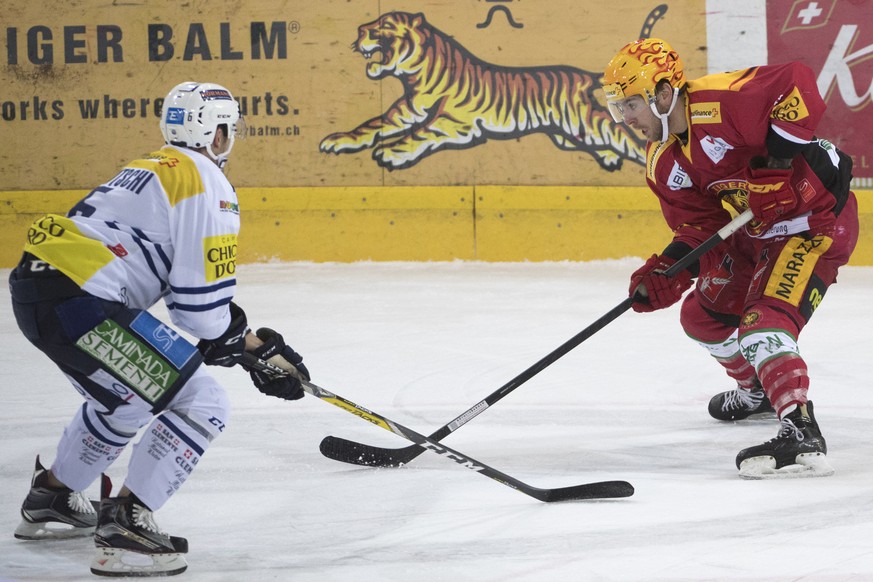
<point>454,100</point>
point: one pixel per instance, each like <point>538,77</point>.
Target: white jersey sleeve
<point>202,278</point>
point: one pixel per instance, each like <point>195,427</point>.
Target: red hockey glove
<point>652,290</point>
<point>770,193</point>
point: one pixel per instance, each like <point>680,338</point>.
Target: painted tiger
<point>452,99</point>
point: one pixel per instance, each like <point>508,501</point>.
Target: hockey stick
<point>597,490</point>
<point>347,451</point>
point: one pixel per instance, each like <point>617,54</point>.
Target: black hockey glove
<point>227,349</point>
<point>286,386</point>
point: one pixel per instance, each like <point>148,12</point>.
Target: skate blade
<point>807,465</point>
<point>52,530</point>
<point>121,563</point>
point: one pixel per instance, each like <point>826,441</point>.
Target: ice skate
<point>49,513</point>
<point>799,450</point>
<point>739,403</point>
<point>129,543</point>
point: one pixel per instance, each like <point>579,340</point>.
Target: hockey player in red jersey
<point>743,139</point>
<point>164,228</point>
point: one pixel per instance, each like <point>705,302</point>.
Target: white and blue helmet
<point>192,113</point>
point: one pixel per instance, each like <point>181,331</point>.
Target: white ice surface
<point>421,343</point>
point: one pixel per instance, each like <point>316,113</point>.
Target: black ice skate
<point>49,513</point>
<point>129,542</point>
<point>798,450</point>
<point>739,403</point>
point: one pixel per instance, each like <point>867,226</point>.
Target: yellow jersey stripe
<point>59,242</point>
<point>794,267</point>
<point>185,180</point>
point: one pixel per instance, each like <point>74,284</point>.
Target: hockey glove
<point>286,386</point>
<point>771,196</point>
<point>227,349</point>
<point>652,290</point>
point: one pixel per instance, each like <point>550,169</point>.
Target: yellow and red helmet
<point>637,69</point>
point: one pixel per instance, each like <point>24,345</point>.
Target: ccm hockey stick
<point>347,451</point>
<point>598,490</point>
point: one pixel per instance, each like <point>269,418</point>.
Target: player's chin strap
<point>220,160</point>
<point>665,130</point>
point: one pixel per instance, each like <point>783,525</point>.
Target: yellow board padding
<point>357,198</point>
<point>38,202</point>
<point>356,224</point>
<point>425,223</point>
<point>553,223</point>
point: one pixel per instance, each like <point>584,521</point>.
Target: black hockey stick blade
<point>355,453</point>
<point>346,451</point>
<point>577,492</point>
<point>583,492</point>
<point>598,490</point>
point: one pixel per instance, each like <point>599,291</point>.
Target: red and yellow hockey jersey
<point>733,117</point>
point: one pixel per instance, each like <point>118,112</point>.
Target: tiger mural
<point>452,99</point>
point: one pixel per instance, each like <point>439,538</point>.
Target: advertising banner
<point>336,92</point>
<point>836,40</point>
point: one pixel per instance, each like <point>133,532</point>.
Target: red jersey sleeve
<point>797,106</point>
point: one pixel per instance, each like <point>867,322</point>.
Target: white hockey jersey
<point>165,226</point>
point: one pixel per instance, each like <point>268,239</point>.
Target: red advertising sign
<point>836,40</point>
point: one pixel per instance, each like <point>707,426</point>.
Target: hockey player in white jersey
<point>165,227</point>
